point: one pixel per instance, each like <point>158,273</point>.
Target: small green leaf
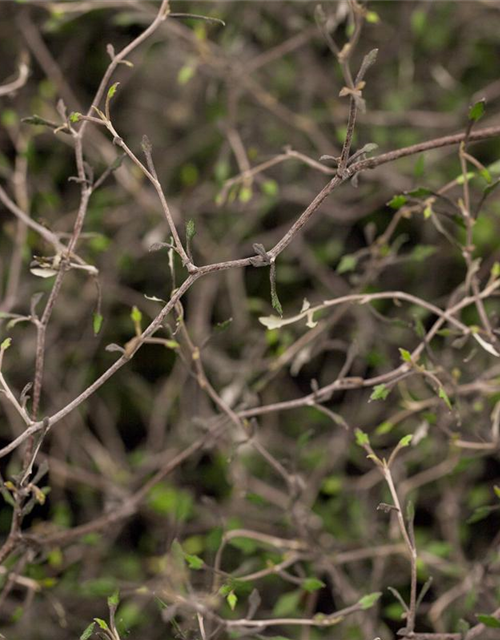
<point>405,355</point>
<point>97,322</point>
<point>495,270</point>
<point>428,212</point>
<point>102,623</point>
<point>194,562</point>
<point>410,511</point>
<point>9,118</point>
<point>222,326</point>
<point>276,303</point>
<point>496,489</point>
<point>38,121</point>
<point>347,263</point>
<point>419,21</point>
<point>88,632</point>
<point>369,600</point>
<point>488,621</point>
<point>481,513</point>
<point>312,584</point>
<point>361,437</point>
<point>186,73</point>
<point>136,315</point>
<point>287,603</point>
<point>444,396</point>
<point>419,192</point>
<point>405,441</point>
<point>112,90</point>
<point>114,599</point>
<point>372,17</point>
<point>422,251</point>
<point>190,229</point>
<point>6,344</point>
<point>476,112</point>
<point>270,188</point>
<point>245,194</point>
<point>232,600</point>
<point>75,116</point>
<point>397,202</point>
<point>380,392</point>
<point>222,170</point>
<point>486,175</point>
<point>246,545</point>
<point>385,427</point>
<point>172,344</point>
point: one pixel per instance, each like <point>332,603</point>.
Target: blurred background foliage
<point>215,100</point>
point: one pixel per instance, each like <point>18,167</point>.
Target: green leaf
<point>423,251</point>
<point>246,545</point>
<point>190,229</point>
<point>136,315</point>
<point>496,489</point>
<point>428,212</point>
<point>112,90</point>
<point>232,600</point>
<point>476,112</point>
<point>380,392</point>
<point>75,116</point>
<point>419,192</point>
<point>9,118</point>
<point>167,500</point>
<point>347,263</point>
<point>419,327</point>
<point>484,173</point>
<point>372,17</point>
<point>410,511</point>
<point>276,303</point>
<point>488,621</point>
<point>245,194</point>
<point>444,396</point>
<point>186,73</point>
<point>6,344</point>
<point>222,170</point>
<point>222,326</point>
<point>312,584</point>
<point>418,21</point>
<point>332,485</point>
<point>172,344</point>
<point>38,121</point>
<point>287,604</point>
<point>88,632</point>
<point>405,355</point>
<point>97,322</point>
<point>114,599</point>
<point>405,441</point>
<point>385,427</point>
<point>369,600</point>
<point>102,623</point>
<point>270,188</point>
<point>361,437</point>
<point>481,513</point>
<point>397,202</point>
<point>194,562</point>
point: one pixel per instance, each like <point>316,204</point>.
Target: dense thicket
<point>249,320</point>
